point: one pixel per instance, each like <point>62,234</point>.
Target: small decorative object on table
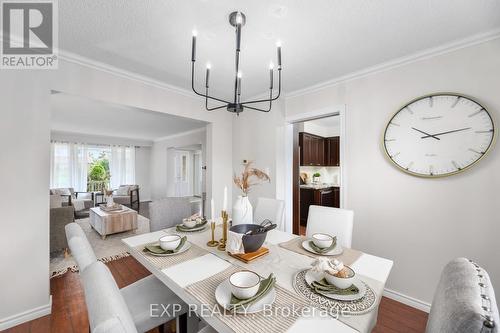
<point>316,177</point>
<point>242,209</point>
<point>108,194</point>
<point>223,240</point>
<point>337,277</point>
<point>212,242</point>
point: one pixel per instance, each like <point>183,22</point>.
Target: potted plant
<point>242,209</point>
<point>316,177</point>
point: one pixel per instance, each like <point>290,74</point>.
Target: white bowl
<point>170,242</point>
<point>322,241</point>
<point>188,223</point>
<point>244,284</point>
<point>340,282</point>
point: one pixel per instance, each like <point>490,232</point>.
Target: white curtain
<point>68,165</point>
<point>122,166</point>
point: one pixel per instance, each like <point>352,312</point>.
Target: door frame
<point>292,157</point>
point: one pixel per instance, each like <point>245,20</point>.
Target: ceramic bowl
<point>188,223</point>
<point>322,241</point>
<point>340,282</point>
<point>251,243</point>
<point>170,242</point>
<point>244,284</point>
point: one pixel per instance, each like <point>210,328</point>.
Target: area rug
<point>109,249</point>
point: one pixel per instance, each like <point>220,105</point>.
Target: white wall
<point>419,223</point>
<point>24,200</point>
<point>160,173</point>
<point>324,131</point>
<point>260,137</point>
<point>143,172</point>
<point>25,132</point>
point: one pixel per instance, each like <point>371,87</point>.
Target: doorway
<point>316,158</point>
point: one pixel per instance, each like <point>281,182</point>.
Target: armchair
<point>59,217</point>
<point>127,195</point>
<point>82,201</point>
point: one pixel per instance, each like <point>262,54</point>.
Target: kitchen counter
<point>318,186</point>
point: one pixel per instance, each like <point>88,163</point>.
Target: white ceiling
<point>322,39</point>
<point>77,114</point>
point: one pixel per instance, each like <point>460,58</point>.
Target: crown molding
<point>418,56</point>
<point>97,65</point>
<point>197,130</point>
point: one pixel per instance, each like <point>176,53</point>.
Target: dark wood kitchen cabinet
<point>332,151</point>
<point>312,149</point>
<point>329,197</point>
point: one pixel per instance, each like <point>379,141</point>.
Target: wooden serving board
<point>247,257</point>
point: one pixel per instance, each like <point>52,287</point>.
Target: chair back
<point>168,212</point>
<point>106,307</point>
<point>79,246</point>
<point>271,209</point>
<point>333,221</point>
<point>464,300</point>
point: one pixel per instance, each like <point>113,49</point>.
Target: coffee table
<point>107,223</point>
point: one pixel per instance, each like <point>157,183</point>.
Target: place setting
<point>322,244</point>
<point>245,292</point>
<point>334,286</point>
<point>194,223</point>
<point>168,245</point>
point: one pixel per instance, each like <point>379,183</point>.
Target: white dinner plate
<point>313,276</point>
<point>333,252</point>
<point>223,297</point>
<point>196,228</point>
<point>184,248</point>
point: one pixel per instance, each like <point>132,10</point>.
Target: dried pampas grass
<point>250,177</point>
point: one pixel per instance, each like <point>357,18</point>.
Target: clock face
<point>439,135</point>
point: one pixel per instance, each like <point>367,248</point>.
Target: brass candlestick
<point>213,242</point>
<point>223,240</point>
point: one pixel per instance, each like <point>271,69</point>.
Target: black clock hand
<point>428,135</point>
<point>434,135</point>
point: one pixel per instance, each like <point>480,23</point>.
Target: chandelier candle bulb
<point>208,76</point>
<point>193,47</point>
<point>271,75</point>
<point>278,44</point>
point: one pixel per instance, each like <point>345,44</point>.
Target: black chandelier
<point>237,20</point>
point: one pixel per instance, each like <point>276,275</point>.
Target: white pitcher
<point>242,211</point>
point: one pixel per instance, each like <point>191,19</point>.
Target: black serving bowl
<point>251,243</point>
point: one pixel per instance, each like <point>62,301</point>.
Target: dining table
<point>194,274</point>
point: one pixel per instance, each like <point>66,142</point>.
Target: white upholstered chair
<point>333,221</point>
<point>271,209</point>
<point>464,301</point>
<point>168,212</point>
<point>105,301</point>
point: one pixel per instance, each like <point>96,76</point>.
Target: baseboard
<point>25,316</point>
<point>410,301</point>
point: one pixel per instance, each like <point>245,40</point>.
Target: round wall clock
<point>439,135</point>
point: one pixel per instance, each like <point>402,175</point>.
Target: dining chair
<point>464,300</point>
<point>333,221</point>
<point>137,296</point>
<point>79,246</point>
<point>168,212</point>
<point>271,209</point>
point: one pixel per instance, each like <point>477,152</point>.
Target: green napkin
<point>326,249</point>
<point>265,286</point>
<point>181,227</point>
<point>156,249</point>
<point>325,287</point>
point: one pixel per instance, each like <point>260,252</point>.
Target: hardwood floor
<point>69,313</point>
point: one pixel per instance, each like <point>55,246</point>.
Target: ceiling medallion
<point>237,20</point>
